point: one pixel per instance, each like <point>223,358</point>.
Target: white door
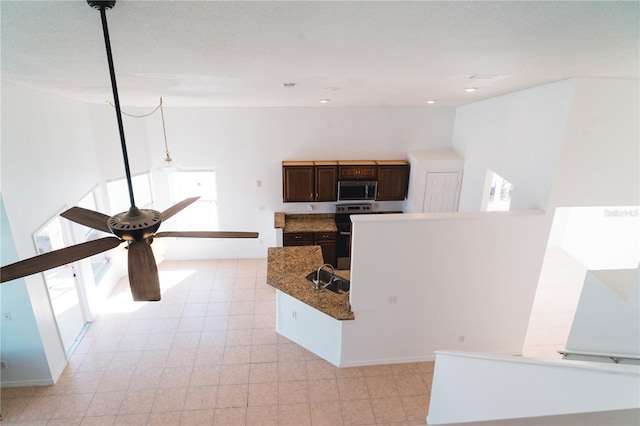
<point>441,192</point>
<point>63,286</point>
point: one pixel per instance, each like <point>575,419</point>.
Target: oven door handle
<point>346,234</point>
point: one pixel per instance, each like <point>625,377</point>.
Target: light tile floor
<point>208,354</point>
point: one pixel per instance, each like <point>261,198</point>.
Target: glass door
<point>63,286</point>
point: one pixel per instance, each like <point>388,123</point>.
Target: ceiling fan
<point>135,227</point>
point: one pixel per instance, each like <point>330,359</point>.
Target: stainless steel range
<point>343,223</point>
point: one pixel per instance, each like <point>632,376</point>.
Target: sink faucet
<point>318,284</point>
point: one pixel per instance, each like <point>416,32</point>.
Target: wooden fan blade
<point>56,258</point>
<point>88,218</point>
<point>177,207</point>
<point>143,273</point>
<point>206,234</point>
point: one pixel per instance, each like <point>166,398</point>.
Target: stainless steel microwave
<point>357,190</point>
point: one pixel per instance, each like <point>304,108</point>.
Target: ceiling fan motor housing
<point>135,224</point>
<point>100,4</point>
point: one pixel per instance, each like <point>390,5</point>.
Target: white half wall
<point>427,282</point>
<point>472,387</point>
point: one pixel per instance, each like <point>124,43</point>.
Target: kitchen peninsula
<point>313,319</point>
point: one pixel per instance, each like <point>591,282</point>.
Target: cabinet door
<point>328,251</point>
<point>297,239</point>
<point>298,183</point>
<point>326,183</point>
<point>393,183</point>
<point>358,172</point>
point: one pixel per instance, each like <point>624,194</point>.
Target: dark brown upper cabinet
<point>309,181</point>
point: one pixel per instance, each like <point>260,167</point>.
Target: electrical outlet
<point>3,365</point>
<point>461,339</point>
<point>393,300</point>
<point>7,316</point>
<point>294,314</point>
<point>259,184</point>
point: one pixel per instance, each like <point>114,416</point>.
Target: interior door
<point>442,192</point>
<point>63,286</point>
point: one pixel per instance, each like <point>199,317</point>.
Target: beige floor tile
<point>197,417</point>
<point>175,377</point>
<point>327,413</point>
<point>378,370</point>
<point>146,378</point>
<point>416,407</point>
<point>263,394</point>
<point>351,388</point>
<point>71,406</point>
<point>405,368</point>
<point>388,410</point>
<point>240,337</point>
<point>264,336</point>
<point>263,372</point>
<point>117,381</point>
<point>292,370</point>
<point>237,355</point>
<point>264,353</point>
<point>357,412</point>
<point>293,392</point>
<point>137,401</point>
<point>410,385</point>
<point>426,367</point>
<point>230,416</point>
<point>73,421</point>
<point>262,415</point>
<point>210,355</point>
<point>239,322</point>
<point>205,375</point>
<point>320,369</point>
<point>234,374</point>
<point>214,338</point>
<point>290,352</point>
<point>201,398</point>
<point>165,418</point>
<point>231,396</point>
<point>105,404</point>
<point>170,399</point>
<point>131,419</point>
<point>323,390</point>
<point>294,414</point>
<point>382,386</point>
<point>98,420</point>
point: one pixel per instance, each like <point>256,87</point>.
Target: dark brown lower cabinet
<point>326,241</point>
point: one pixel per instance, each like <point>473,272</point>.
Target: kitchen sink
<point>334,280</point>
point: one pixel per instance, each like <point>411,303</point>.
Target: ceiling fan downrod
<point>102,6</point>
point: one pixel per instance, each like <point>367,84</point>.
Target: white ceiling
<point>360,53</point>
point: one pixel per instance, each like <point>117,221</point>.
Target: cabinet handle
<point>297,237</point>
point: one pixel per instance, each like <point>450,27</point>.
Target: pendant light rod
<point>102,6</point>
<point>164,131</point>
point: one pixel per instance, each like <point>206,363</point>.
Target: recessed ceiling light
<point>432,101</point>
<point>470,89</point>
<point>289,85</point>
<point>324,101</point>
<point>333,88</point>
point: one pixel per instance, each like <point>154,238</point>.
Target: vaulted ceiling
<point>353,53</point>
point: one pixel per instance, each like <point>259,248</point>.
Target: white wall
<point>452,275</point>
<point>249,144</point>
<point>20,344</point>
<point>470,388</point>
<point>599,164</point>
<point>598,237</point>
<point>518,136</point>
<point>607,318</point>
<point>48,164</point>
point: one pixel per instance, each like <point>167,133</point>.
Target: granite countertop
<point>318,222</point>
<point>287,268</point>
